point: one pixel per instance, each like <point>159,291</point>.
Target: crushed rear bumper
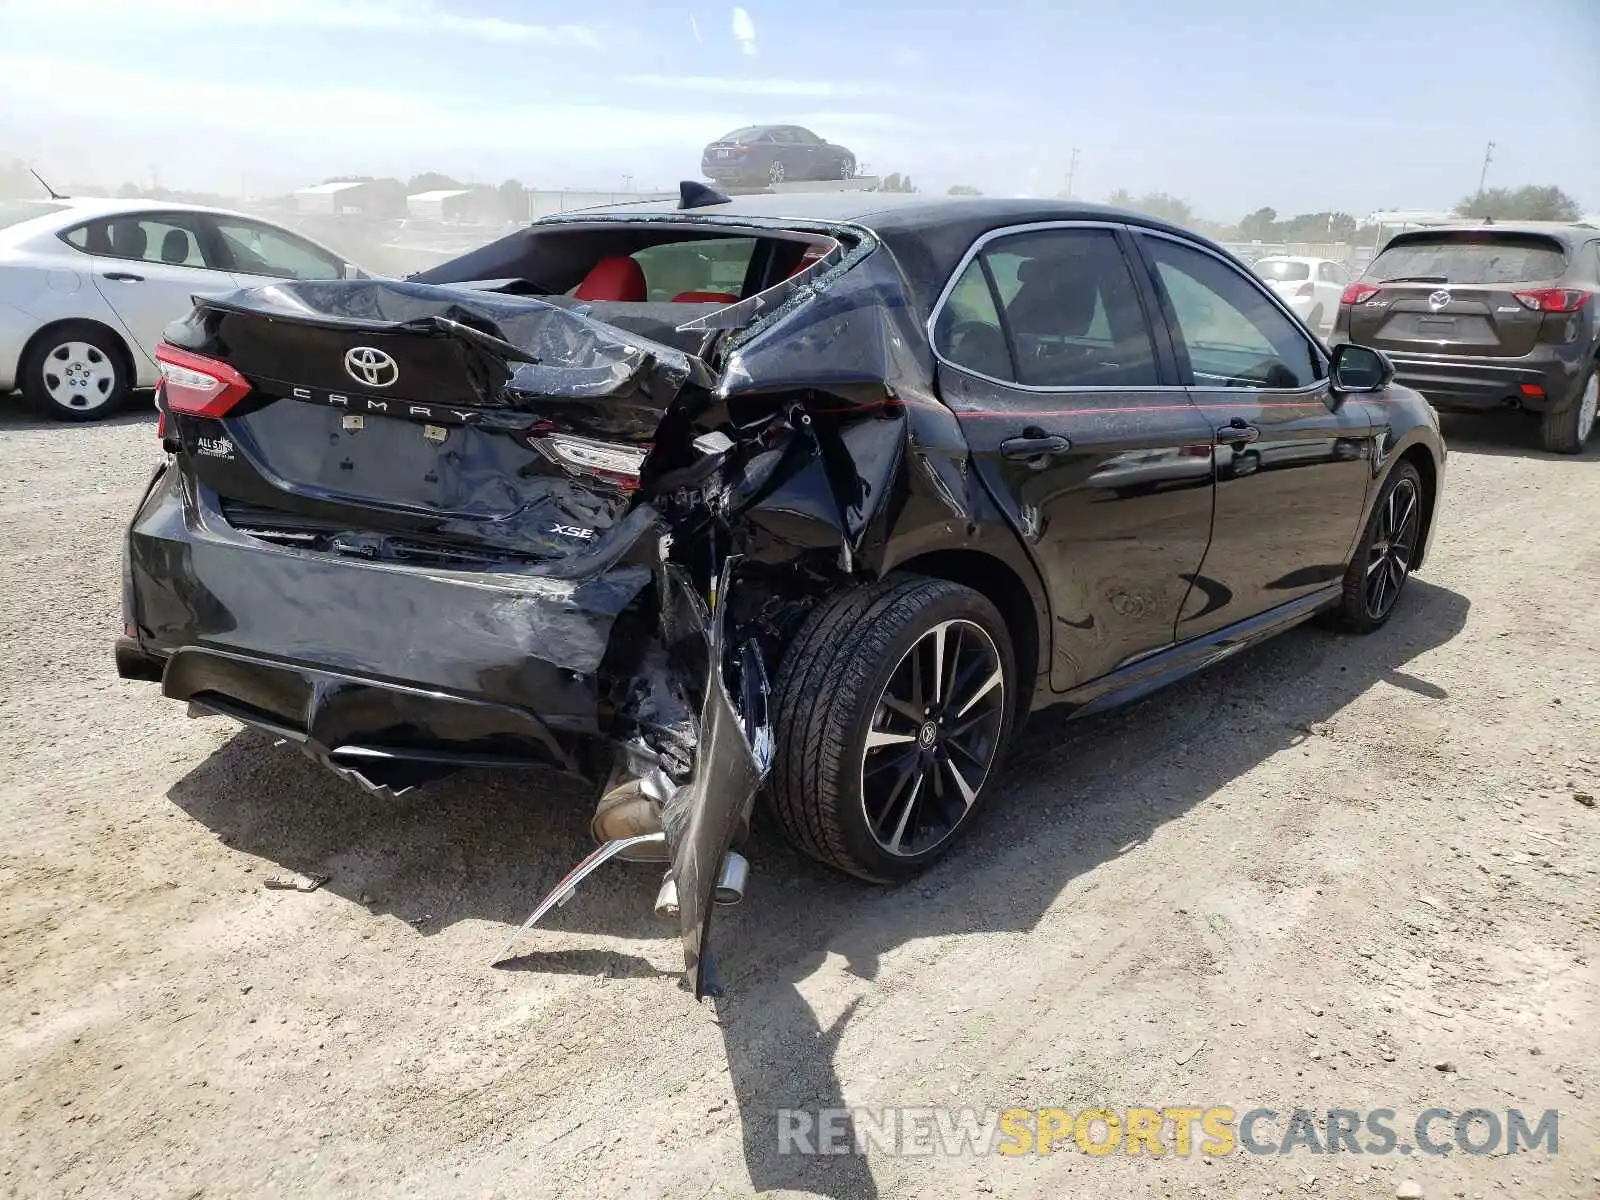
<point>368,666</point>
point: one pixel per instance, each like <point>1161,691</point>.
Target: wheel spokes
<point>934,736</point>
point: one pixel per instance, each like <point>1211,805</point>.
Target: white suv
<point>87,286</point>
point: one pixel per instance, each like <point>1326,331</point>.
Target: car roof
<point>881,212</point>
<point>88,207</point>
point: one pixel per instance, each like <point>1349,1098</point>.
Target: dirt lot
<point>1307,879</point>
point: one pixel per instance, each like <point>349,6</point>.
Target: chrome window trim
<point>1319,355</point>
<point>967,259</point>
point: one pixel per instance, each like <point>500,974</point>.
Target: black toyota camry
<point>807,497</point>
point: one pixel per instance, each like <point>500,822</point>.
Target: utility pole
<point>1072,171</point>
<point>1483,175</point>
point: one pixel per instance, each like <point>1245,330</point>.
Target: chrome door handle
<point>1237,433</point>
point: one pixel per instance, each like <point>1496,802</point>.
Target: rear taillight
<point>1358,293</point>
<point>1553,300</point>
<point>606,462</point>
<point>1305,289</point>
<point>196,385</point>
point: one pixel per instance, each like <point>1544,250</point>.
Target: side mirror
<point>1360,369</point>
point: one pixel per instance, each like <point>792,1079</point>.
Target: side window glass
<point>968,331</point>
<point>170,238</point>
<point>258,250</point>
<point>1235,336</point>
<point>1072,310</point>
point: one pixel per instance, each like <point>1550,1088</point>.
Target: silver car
<point>87,286</point>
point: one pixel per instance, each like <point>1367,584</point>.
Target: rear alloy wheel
<point>775,172</point>
<point>894,706</point>
<point>1382,562</point>
<point>76,374</point>
<point>1565,432</point>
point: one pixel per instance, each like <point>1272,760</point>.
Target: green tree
<point>1316,227</point>
<point>1527,203</point>
<point>1260,226</point>
<point>963,189</point>
<point>1154,204</point>
<point>432,181</point>
<point>896,182</point>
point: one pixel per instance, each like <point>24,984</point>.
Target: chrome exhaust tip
<point>735,874</point>
<point>730,886</point>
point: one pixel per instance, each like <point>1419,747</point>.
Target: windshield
<point>1471,258</point>
<point>15,212</point>
<point>1282,269</point>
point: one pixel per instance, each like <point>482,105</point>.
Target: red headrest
<point>614,278</point>
<point>705,298</point>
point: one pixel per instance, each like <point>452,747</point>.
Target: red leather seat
<point>614,278</point>
<point>705,298</point>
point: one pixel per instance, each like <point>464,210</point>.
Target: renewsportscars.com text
<point>1178,1130</point>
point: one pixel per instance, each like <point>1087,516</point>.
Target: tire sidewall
<point>960,603</point>
<point>33,385</point>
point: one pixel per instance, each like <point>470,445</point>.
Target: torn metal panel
<point>735,753</point>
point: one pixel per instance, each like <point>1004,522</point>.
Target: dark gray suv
<point>1490,316</point>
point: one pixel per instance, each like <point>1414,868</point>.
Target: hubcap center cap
<point>927,735</point>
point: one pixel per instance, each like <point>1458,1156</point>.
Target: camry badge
<point>371,367</point>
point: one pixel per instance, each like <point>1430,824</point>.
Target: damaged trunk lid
<point>412,422</point>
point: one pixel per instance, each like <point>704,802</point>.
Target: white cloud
<point>419,17</point>
<point>723,85</point>
<point>130,102</point>
<point>694,28</point>
<point>744,32</point>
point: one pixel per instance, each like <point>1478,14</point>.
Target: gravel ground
<point>1312,877</point>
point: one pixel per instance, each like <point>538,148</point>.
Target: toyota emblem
<point>371,367</point>
<point>1438,300</point>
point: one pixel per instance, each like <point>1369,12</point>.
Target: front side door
<point>149,266</point>
<point>1077,425</point>
<point>1294,461</point>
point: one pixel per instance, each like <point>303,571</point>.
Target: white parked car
<point>1310,286</point>
<point>87,286</point>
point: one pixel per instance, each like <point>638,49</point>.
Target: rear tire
<point>1566,432</point>
<point>860,781</point>
<point>1382,562</point>
<point>77,372</point>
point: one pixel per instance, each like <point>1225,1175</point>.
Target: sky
<point>1229,104</point>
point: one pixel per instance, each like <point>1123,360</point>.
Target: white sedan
<point>87,286</point>
<point>1310,286</point>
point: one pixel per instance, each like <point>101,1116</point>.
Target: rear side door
<point>1455,293</point>
<point>1294,461</point>
<point>1068,398</point>
<point>148,266</point>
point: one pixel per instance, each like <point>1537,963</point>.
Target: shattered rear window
<point>714,266</point>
